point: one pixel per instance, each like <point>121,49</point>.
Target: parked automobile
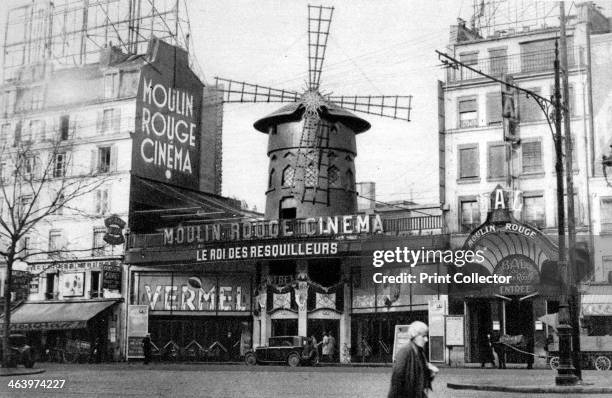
<point>20,352</point>
<point>280,349</point>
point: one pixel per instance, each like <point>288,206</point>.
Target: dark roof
<point>331,112</point>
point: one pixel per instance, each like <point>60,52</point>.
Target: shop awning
<point>596,300</point>
<point>56,315</point>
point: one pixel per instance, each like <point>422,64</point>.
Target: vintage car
<point>280,349</point>
<point>20,352</point>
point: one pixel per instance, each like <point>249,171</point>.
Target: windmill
<point>312,139</point>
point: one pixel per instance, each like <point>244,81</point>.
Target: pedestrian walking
<point>146,348</point>
<point>332,346</point>
<point>499,349</point>
<point>412,373</point>
<point>486,351</point>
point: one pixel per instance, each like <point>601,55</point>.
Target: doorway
<point>480,324</point>
<point>519,321</point>
<point>316,327</point>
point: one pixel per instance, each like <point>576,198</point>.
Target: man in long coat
<point>412,374</point>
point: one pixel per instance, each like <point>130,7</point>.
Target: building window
<point>534,210</point>
<point>310,175</point>
<point>529,110</point>
<point>107,120</point>
<point>94,290</point>
<point>498,61</point>
<point>17,137</point>
<point>37,130</point>
<point>25,247</point>
<point>3,175</point>
<point>497,161</point>
<point>55,244</point>
<point>468,162</point>
<point>333,175</point>
<point>271,179</point>
<point>5,134</point>
<point>468,113</point>
<point>50,292</point>
<point>111,85</point>
<point>606,214</point>
<point>8,103</point>
<point>494,108</point>
<point>288,176</point>
<point>469,215</point>
<point>104,159</point>
<point>98,242</point>
<point>102,206</point>
<point>59,165</point>
<point>468,59</point>
<point>349,180</point>
<point>60,205</point>
<point>531,157</point>
<point>64,127</point>
<point>24,205</point>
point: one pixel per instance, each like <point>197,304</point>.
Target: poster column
<point>437,310</point>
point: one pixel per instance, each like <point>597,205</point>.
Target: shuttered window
<point>468,113</point>
<point>606,214</point>
<point>571,98</point>
<point>494,108</point>
<point>470,215</point>
<point>497,161</point>
<point>529,110</point>
<point>468,162</point>
<point>532,157</point>
<point>533,210</point>
<point>539,55</point>
<point>498,61</point>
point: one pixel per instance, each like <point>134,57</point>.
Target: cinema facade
<point>213,290</point>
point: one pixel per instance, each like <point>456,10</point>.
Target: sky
<point>375,47</point>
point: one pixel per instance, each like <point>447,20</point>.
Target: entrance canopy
<point>56,315</point>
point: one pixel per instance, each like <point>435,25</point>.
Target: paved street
<point>219,381</point>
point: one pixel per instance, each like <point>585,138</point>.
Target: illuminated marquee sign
<point>168,115</point>
<point>307,227</point>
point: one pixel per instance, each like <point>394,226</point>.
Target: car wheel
<point>602,363</point>
<point>250,359</point>
<point>554,363</point>
<point>293,360</point>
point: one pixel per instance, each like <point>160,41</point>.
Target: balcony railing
<point>532,62</point>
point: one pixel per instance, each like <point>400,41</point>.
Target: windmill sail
<point>312,173</point>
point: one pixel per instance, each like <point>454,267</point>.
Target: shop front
<point>195,313</point>
<point>528,286</point>
<point>73,309</point>
<point>69,330</point>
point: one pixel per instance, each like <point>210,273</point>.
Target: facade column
<point>344,346</point>
<point>301,297</point>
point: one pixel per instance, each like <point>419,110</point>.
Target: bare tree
<point>36,181</point>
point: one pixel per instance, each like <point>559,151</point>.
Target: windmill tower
<point>311,141</point>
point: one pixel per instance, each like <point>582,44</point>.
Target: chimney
<point>111,55</point>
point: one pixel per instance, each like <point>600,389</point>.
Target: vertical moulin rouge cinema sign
<point>168,112</point>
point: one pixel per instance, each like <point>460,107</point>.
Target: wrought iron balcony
<point>532,62</point>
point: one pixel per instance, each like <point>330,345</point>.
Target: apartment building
<point>502,198</point>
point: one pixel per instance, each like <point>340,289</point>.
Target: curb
<point>533,389</point>
<point>24,372</point>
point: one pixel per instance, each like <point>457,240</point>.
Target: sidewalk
<point>532,382</point>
